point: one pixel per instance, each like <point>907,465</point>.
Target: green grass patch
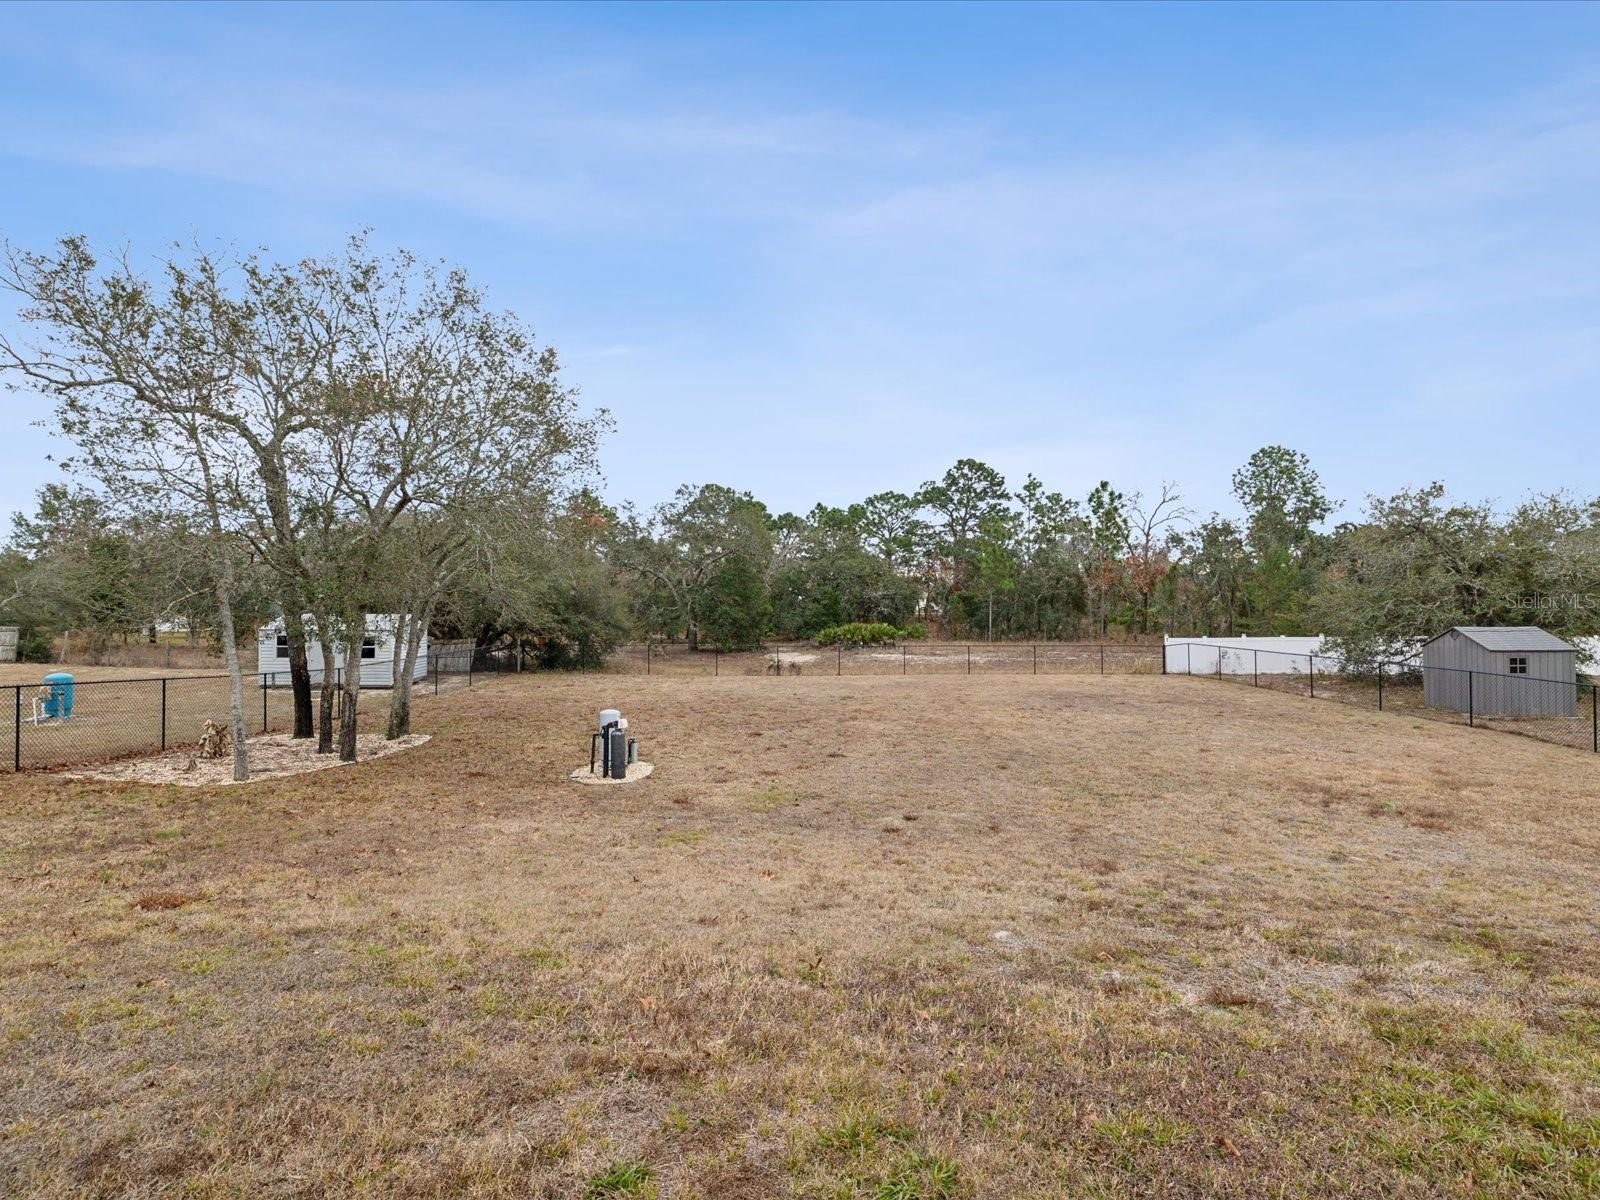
<point>629,1178</point>
<point>1440,1123</point>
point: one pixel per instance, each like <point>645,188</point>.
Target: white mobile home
<point>379,656</point>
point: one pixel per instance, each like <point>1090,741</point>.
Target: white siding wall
<point>376,672</point>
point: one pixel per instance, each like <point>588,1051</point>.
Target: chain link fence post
<point>163,714</point>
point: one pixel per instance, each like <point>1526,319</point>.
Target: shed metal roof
<point>1508,637</point>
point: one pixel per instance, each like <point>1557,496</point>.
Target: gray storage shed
<point>1500,671</point>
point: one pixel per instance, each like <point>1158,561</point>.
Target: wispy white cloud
<point>1146,310</point>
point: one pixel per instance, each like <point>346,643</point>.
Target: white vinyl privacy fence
<point>1247,656</point>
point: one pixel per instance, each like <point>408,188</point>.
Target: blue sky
<point>817,252</point>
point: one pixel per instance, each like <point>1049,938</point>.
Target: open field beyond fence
<point>856,937</point>
<point>905,658</point>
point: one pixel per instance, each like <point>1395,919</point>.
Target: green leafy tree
<point>1051,540</point>
<point>1282,497</point>
<point>1220,566</point>
<point>735,610</point>
<point>995,559</point>
<point>964,497</point>
<point>1419,563</point>
<point>1108,539</point>
<point>681,545</point>
<point>892,527</point>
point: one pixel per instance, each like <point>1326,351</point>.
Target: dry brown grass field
<point>934,937</point>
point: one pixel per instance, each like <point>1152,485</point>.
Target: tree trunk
<point>355,633</point>
<point>230,656</point>
<point>224,597</point>
<point>299,668</point>
<point>694,635</point>
<point>329,683</point>
<point>405,667</point>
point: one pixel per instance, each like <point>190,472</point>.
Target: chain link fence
<point>77,722</point>
<point>1563,712</point>
<point>907,658</point>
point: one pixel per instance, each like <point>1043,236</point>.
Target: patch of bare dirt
<point>272,756</point>
<point>636,772</point>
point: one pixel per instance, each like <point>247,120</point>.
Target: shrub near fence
<point>1570,709</point>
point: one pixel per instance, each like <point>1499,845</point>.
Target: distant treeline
<point>364,433</point>
<point>965,556</point>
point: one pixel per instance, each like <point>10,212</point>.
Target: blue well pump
<point>58,702</point>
